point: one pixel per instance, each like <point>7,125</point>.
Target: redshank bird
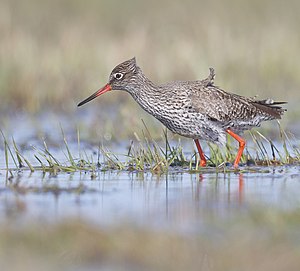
<point>195,109</point>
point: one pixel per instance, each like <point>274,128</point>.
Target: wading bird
<point>195,109</point>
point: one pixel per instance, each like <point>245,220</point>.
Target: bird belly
<point>180,120</point>
<point>196,127</point>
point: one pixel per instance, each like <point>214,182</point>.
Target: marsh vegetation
<point>106,186</point>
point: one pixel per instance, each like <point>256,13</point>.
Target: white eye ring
<point>118,75</point>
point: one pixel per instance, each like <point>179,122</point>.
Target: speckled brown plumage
<point>195,109</point>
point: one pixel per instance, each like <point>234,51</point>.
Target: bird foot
<point>202,163</point>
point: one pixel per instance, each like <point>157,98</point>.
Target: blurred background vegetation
<point>55,53</point>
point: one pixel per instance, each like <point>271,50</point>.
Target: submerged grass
<point>147,154</point>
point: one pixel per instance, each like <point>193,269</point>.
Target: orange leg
<point>201,153</point>
<point>242,144</point>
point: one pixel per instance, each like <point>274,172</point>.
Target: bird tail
<point>271,107</point>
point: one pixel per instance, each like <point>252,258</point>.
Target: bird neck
<point>146,93</point>
<point>142,88</point>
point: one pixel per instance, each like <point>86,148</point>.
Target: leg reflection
<point>201,178</point>
<point>241,188</point>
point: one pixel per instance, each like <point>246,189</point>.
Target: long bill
<point>99,92</point>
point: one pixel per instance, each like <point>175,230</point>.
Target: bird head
<point>122,77</point>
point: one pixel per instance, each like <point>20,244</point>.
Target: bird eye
<point>118,75</point>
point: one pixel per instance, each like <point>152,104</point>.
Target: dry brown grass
<point>53,50</point>
<point>55,53</point>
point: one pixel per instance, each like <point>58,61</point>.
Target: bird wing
<point>220,105</point>
<point>209,81</point>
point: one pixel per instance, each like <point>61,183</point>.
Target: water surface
<point>177,200</point>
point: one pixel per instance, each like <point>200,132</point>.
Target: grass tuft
<point>147,154</point>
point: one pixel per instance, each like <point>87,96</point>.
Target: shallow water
<point>217,214</point>
<point>177,200</point>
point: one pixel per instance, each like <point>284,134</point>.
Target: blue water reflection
<point>177,200</point>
